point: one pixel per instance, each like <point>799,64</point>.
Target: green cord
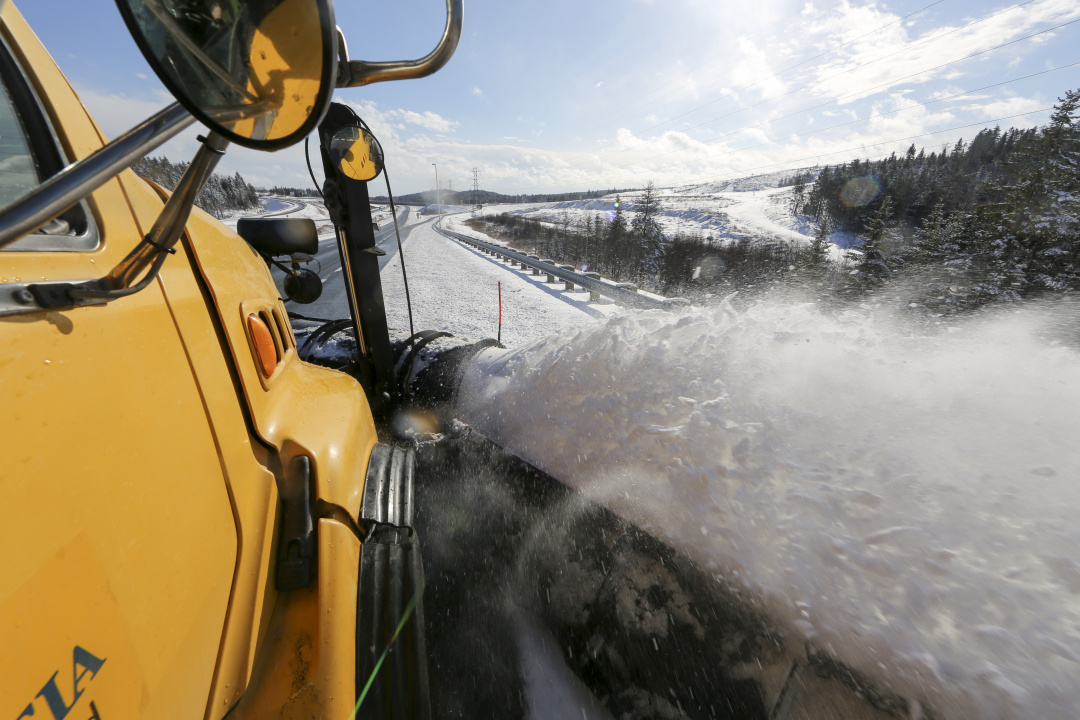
<point>404,619</point>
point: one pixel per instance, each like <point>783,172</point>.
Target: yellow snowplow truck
<point>189,507</point>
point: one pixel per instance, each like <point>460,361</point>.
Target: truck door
<point>119,535</point>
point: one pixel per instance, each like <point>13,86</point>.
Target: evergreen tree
<point>816,257</point>
<point>649,237</point>
<point>616,242</point>
<point>218,197</point>
<point>931,238</point>
<point>870,263</point>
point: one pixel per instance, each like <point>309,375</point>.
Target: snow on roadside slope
<point>455,288</point>
<point>907,503</point>
<point>723,215</point>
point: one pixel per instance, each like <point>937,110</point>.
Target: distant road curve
<point>294,206</point>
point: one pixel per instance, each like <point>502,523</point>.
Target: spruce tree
<point>871,267</point>
<point>816,257</point>
<point>648,237</point>
<point>616,242</point>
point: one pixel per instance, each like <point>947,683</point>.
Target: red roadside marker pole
<point>499,339</point>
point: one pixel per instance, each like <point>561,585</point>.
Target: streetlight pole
<point>438,190</point>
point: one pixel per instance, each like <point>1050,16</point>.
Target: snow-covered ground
<point>750,208</point>
<point>908,502</point>
<point>456,288</point>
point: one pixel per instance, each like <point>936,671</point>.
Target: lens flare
<point>860,191</point>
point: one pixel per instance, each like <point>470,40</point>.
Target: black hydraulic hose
<point>307,159</point>
<point>401,253</point>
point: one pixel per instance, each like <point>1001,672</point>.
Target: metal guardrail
<point>622,293</point>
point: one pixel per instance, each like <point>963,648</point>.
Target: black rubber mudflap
<point>388,491</point>
<point>391,578</point>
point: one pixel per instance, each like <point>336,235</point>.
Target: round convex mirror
<point>258,72</point>
<point>357,153</point>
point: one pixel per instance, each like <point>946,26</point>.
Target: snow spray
<point>905,498</point>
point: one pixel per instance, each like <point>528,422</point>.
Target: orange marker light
<point>265,352</point>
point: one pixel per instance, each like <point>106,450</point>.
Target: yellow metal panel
<point>323,411</point>
<point>307,668</point>
<point>105,432</point>
<point>82,652</point>
<point>252,487</point>
<point>106,437</point>
<point>115,440</point>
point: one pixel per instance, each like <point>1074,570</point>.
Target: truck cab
<point>185,495</point>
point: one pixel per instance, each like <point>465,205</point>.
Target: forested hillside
<point>994,220</point>
<point>222,194</point>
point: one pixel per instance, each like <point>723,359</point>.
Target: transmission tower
<point>475,189</point>
<point>476,186</point>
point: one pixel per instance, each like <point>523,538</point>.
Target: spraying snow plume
<point>906,500</point>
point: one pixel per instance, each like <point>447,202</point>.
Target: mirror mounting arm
<point>169,225</point>
<point>149,254</point>
<point>356,73</point>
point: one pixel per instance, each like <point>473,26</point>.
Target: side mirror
<point>303,286</point>
<point>280,236</point>
<point>296,237</point>
<point>257,72</point>
<point>357,153</point>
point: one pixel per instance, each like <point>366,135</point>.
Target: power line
<point>667,90</point>
<point>838,99</point>
<point>778,74</point>
<point>743,172</point>
<point>906,48</point>
<point>831,127</point>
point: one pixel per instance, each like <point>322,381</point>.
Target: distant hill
<point>486,197</point>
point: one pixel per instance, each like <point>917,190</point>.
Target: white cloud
<point>1008,107</point>
<point>477,92</point>
<point>884,59</point>
<point>429,120</point>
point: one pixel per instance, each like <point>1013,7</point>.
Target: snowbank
<point>909,503</point>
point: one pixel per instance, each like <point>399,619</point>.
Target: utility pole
<point>438,191</point>
<point>475,189</point>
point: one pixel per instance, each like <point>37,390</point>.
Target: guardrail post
<point>593,295</point>
<point>567,284</point>
<point>535,271</point>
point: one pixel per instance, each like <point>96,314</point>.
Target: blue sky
<point>561,95</point>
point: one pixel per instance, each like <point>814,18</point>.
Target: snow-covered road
<point>456,288</point>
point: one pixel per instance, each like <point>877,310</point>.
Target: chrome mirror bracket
<point>357,73</point>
